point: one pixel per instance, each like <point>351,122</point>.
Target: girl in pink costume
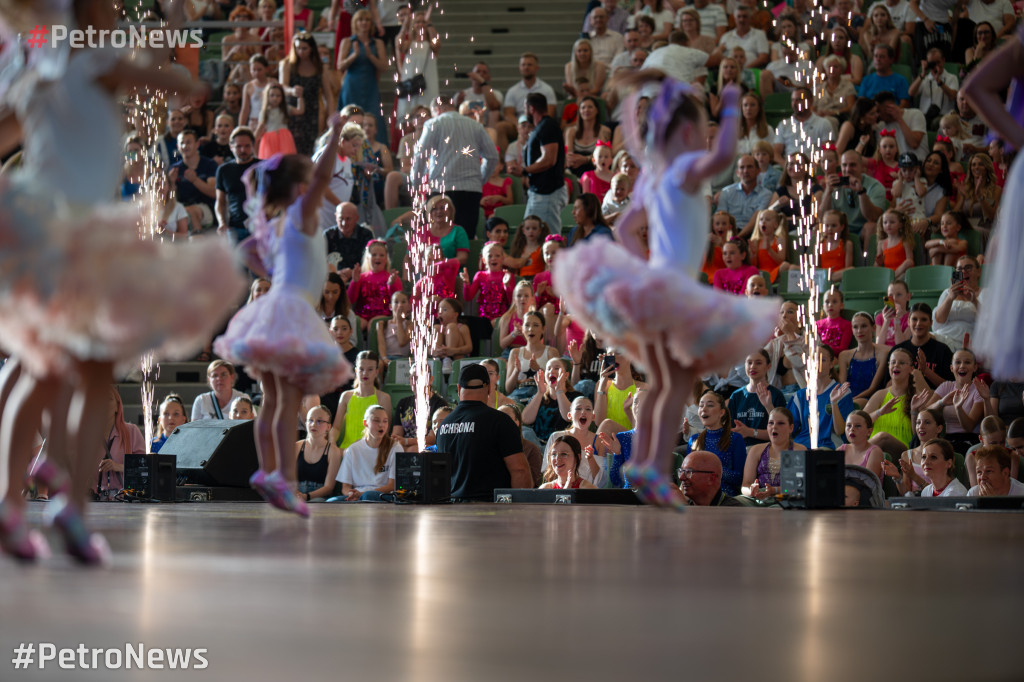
<point>493,284</point>
<point>370,291</point>
<point>656,311</point>
<point>79,291</point>
<point>547,301</point>
<point>733,278</point>
<point>279,337</point>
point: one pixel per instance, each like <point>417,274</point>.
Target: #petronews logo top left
<point>54,35</point>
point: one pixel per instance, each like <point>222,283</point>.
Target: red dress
<point>598,186</point>
<point>491,190</point>
<point>834,259</point>
<point>884,174</point>
<point>767,263</point>
<point>894,257</point>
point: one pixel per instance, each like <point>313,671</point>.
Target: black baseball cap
<point>907,160</point>
<point>474,376</point>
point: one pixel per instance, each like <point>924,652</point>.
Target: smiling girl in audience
<point>863,367</point>
<point>764,461</point>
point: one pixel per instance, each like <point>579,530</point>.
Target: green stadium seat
<point>868,280</point>
<point>513,214</point>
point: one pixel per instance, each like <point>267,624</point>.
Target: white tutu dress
<point>75,279</point>
<point>630,300</point>
<point>281,332</point>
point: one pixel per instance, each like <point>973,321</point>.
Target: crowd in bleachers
<point>853,130</point>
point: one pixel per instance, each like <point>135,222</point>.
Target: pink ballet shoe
<point>46,474</point>
<point>17,539</point>
<point>654,488</point>
<point>87,548</point>
<point>281,494</point>
<point>258,482</point>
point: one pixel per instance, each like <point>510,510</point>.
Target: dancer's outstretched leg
<point>263,427</point>
<point>22,419</point>
<point>86,421</point>
<point>289,399</point>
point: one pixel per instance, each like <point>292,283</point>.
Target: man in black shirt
<point>544,159</point>
<point>932,357</point>
<point>485,445</point>
<point>346,240</point>
<point>231,217</point>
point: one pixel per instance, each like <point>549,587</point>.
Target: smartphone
<point>844,181</point>
<point>958,276</point>
<point>607,362</point>
<point>888,302</point>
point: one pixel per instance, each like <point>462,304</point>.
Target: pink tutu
<point>278,141</point>
<point>630,302</point>
<point>86,287</point>
<point>280,333</point>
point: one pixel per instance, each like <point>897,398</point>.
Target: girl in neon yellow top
<point>348,420</point>
<point>615,386</point>
<point>890,407</point>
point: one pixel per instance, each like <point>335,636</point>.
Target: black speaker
<point>151,477</point>
<point>423,477</point>
<point>813,479</point>
<point>214,452</point>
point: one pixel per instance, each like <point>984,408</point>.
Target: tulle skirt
<point>998,339</point>
<point>280,333</point>
<point>630,303</point>
<point>278,141</point>
<point>82,285</point>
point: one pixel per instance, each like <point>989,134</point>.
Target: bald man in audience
<point>700,479</point>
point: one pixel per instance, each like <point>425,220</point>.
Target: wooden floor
<point>481,592</point>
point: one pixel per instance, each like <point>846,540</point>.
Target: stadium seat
<point>927,282</point>
<point>865,281</point>
<point>512,214</point>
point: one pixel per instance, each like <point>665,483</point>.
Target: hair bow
<point>554,238</point>
<point>828,147</point>
<point>943,138</point>
<point>887,133</point>
<point>602,143</point>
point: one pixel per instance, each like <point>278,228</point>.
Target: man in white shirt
<point>936,86</point>
<point>753,41</point>
<point>782,75</point>
<point>480,95</point>
<point>678,61</point>
<point>630,43</point>
<point>804,131</point>
<point>977,131</point>
<point>515,98</point>
<point>713,20</point>
<point>909,124</point>
<point>992,467</point>
<point>604,42</point>
<point>999,13</point>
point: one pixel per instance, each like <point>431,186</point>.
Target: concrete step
<point>131,394</point>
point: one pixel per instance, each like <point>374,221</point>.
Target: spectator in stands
<point>931,356</point>
<point>617,18</point>
<point>169,142</point>
<point>804,131</point>
<point>938,462</point>
<point>623,60</point>
<point>515,98</point>
<point>343,185</point>
<point>689,22</point>
<point>833,399</point>
<point>231,103</point>
<point>859,132</point>
<point>564,465</point>
<point>753,40</point>
<point>764,460</point>
<point>368,469</point>
<point>719,439</point>
<point>171,416</point>
<point>797,193</point>
<point>454,156</point>
<point>891,323</point>
<point>545,164</point>
<point>859,196</point>
<point>419,44</point>
<point>480,95</point>
<point>745,198</point>
<point>590,223</point>
<point>932,24</point>
<point>484,444</point>
<point>884,79</point>
<point>962,404</point>
<point>318,458</point>
<point>582,138</point>
<point>218,147</point>
<point>242,409</point>
<point>839,44</point>
<point>121,439</point>
<point>837,94</point>
<point>936,86</point>
<point>700,480</point>
<point>237,47</point>
<point>546,412</point>
<point>980,194</point>
<point>792,68</point>
<point>679,61</point>
<point>753,125</point>
<point>908,123</point>
<point>533,453</point>
<point>252,93</point>
<point>957,309</point>
<point>879,29</point>
<point>660,14</point>
<point>220,375</point>
<point>984,43</point>
<point>231,193</point>
<point>194,177</point>
<point>1007,400</point>
<point>992,467</point>
<point>605,42</point>
<point>973,126</point>
<point>346,240</point>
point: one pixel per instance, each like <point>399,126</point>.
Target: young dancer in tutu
<point>79,292</point>
<point>656,311</point>
<point>279,337</point>
<point>998,340</point>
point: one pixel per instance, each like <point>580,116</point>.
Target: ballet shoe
<point>654,488</point>
<point>89,549</point>
<point>282,495</point>
<point>258,482</point>
<point>17,539</point>
<point>48,475</point>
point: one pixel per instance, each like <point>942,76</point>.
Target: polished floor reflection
<point>481,592</point>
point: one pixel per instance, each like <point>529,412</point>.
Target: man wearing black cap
<point>485,445</point>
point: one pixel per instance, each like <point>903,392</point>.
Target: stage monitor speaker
<point>214,452</point>
<point>813,479</point>
<point>423,477</point>
<point>151,477</point>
